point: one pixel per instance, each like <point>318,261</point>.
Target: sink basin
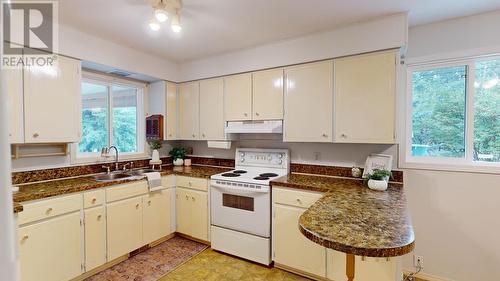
<point>140,172</point>
<point>112,177</point>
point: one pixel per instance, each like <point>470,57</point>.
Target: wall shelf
<point>39,150</point>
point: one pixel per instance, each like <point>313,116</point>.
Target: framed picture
<point>377,161</point>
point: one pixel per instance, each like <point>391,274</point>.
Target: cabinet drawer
<point>49,208</point>
<point>93,198</point>
<point>295,198</point>
<point>168,181</point>
<point>127,190</point>
<point>193,183</point>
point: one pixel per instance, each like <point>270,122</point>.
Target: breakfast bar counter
<point>353,219</point>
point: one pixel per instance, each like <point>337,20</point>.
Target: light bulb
<point>154,25</point>
<point>161,15</point>
<point>176,23</point>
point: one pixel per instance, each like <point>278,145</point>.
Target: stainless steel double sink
<point>116,176</point>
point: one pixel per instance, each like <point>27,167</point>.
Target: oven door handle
<point>237,189</point>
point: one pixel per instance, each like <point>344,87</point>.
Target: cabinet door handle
<point>256,114</point>
<point>187,197</point>
<point>99,217</point>
<point>245,114</point>
<point>194,135</point>
<point>299,201</point>
<point>149,202</point>
<point>36,135</point>
<point>25,237</point>
<point>343,136</point>
<point>94,200</point>
<point>137,206</point>
<point>190,183</point>
<point>325,135</point>
<point>193,198</point>
<point>203,135</point>
<point>49,210</point>
<point>169,135</point>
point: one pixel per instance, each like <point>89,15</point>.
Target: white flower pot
<point>178,162</point>
<point>379,185</point>
<point>156,155</point>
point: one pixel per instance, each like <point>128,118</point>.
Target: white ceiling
<point>218,26</point>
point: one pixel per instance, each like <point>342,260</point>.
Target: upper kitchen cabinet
<point>238,97</point>
<point>163,100</point>
<point>171,114</point>
<point>212,109</point>
<point>268,95</point>
<point>189,111</point>
<point>14,89</point>
<point>365,98</point>
<point>52,102</point>
<point>309,102</point>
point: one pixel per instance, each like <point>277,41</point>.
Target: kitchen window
<point>112,110</point>
<point>453,115</point>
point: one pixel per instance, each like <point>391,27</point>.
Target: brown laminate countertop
<point>353,219</point>
<point>41,190</point>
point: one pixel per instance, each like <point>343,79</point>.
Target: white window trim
<point>87,158</point>
<point>466,164</point>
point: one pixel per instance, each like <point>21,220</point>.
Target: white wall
<point>384,33</point>
<point>455,215</point>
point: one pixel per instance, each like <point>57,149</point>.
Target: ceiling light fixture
<point>154,25</point>
<point>162,9</point>
<point>161,13</point>
<point>176,23</point>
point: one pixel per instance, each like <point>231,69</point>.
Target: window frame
<point>109,82</point>
<point>465,164</point>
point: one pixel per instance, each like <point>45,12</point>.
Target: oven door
<point>241,209</point>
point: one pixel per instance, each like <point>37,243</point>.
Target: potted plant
<point>178,154</point>
<point>155,146</point>
<point>378,179</point>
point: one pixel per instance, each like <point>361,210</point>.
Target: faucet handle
<point>104,152</point>
<point>108,168</point>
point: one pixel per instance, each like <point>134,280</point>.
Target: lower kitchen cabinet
<point>366,269</point>
<point>95,237</point>
<point>156,215</point>
<point>124,227</point>
<point>291,248</point>
<point>51,250</point>
<point>192,213</point>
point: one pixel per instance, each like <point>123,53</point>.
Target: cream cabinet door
<point>52,249</point>
<point>238,97</point>
<point>268,95</point>
<point>156,215</point>
<point>52,102</point>
<point>365,269</point>
<point>291,247</point>
<point>189,111</point>
<point>171,115</point>
<point>124,227</point>
<point>212,109</point>
<point>365,98</point>
<point>309,102</point>
<point>183,211</point>
<point>199,214</point>
<point>95,237</point>
<point>14,87</point>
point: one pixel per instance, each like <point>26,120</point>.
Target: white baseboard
<point>426,276</point>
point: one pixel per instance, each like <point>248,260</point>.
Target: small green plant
<point>379,174</point>
<point>178,153</point>
<point>156,144</point>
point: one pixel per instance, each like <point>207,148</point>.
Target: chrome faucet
<point>105,153</point>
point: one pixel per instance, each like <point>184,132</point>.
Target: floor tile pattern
<point>214,266</point>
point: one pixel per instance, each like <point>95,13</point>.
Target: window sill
<point>483,168</point>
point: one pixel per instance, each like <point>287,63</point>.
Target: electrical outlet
<point>418,261</point>
<point>317,156</point>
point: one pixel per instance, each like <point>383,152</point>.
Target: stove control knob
<point>242,160</point>
<point>280,162</point>
<point>242,154</point>
<point>280,156</point>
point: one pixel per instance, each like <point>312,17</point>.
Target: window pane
<point>125,118</point>
<point>487,111</point>
<point>94,118</point>
<point>438,128</point>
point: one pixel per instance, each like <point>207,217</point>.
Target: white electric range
<point>240,203</point>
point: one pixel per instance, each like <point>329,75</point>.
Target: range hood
<point>255,127</point>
